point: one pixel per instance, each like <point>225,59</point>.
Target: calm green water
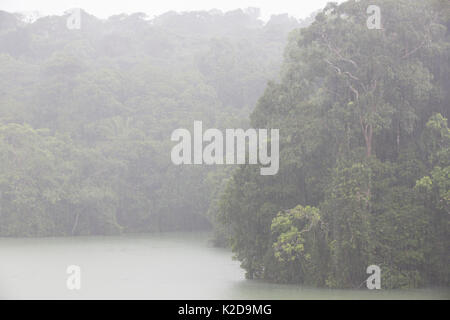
<point>157,266</point>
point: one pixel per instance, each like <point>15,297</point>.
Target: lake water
<point>155,266</point>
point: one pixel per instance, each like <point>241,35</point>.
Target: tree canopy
<point>364,163</point>
<point>86,115</point>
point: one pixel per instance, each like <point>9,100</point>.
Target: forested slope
<point>364,154</point>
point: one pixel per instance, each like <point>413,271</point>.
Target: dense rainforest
<point>364,154</point>
<point>86,115</point>
<point>86,118</point>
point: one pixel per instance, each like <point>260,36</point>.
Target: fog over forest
<point>89,107</point>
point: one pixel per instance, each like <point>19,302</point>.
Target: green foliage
<point>300,243</point>
<point>86,116</point>
<point>364,139</point>
<point>46,186</point>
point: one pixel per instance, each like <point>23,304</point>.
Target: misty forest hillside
<point>86,117</point>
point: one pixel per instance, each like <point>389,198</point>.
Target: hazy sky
<point>106,8</point>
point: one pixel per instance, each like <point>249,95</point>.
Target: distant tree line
<point>86,115</point>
